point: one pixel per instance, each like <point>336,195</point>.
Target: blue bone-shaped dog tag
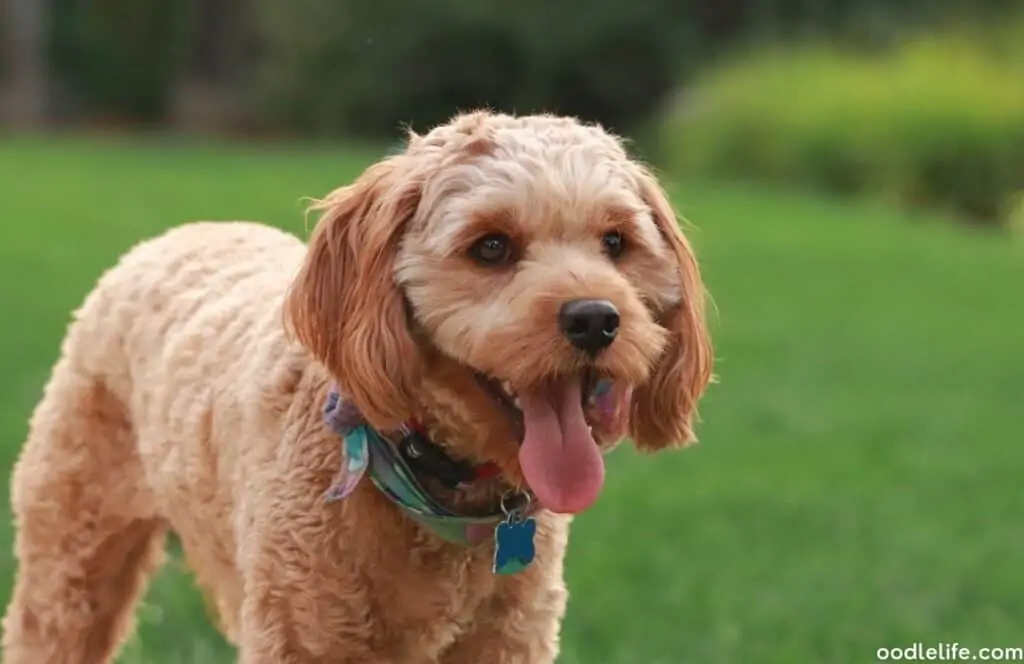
<point>513,544</point>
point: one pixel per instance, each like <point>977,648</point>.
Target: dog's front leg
<point>300,611</point>
<point>306,600</point>
<point>280,626</point>
<point>520,624</point>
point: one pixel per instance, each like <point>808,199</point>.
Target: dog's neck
<point>441,493</point>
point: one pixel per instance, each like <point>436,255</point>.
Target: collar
<point>392,465</point>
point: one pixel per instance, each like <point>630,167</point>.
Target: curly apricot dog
<point>370,447</point>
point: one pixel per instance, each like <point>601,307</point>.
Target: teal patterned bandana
<point>365,451</point>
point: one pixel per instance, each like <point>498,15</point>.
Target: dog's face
<point>528,253</point>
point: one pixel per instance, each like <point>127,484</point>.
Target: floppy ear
<point>664,408</point>
<point>344,305</point>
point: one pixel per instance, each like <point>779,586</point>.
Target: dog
<point>371,446</point>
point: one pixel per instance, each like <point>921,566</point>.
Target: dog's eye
<point>492,249</point>
<point>613,244</point>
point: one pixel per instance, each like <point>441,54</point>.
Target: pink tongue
<point>559,458</point>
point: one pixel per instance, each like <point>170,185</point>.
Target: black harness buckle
<point>424,456</point>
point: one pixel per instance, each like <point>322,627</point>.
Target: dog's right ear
<point>344,305</point>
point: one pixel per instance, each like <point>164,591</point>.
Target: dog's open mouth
<point>594,386</point>
<point>559,457</point>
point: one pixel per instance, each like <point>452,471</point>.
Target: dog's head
<point>530,250</point>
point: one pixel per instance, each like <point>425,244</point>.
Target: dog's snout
<point>590,325</point>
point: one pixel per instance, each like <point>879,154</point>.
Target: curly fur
<point>189,388</point>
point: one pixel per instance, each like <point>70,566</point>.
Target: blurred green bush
<point>936,121</point>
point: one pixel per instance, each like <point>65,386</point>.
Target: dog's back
<point>131,436</point>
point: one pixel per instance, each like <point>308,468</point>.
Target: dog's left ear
<point>664,408</point>
<point>344,305</point>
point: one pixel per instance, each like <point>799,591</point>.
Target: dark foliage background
<point>322,67</point>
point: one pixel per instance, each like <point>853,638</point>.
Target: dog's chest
<point>426,610</point>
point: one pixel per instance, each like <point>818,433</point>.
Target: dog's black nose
<point>590,325</point>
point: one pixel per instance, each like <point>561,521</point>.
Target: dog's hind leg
<point>87,530</point>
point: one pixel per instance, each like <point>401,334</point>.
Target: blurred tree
<point>120,58</point>
<point>209,93</point>
<point>23,83</point>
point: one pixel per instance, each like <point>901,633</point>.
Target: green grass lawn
<point>858,483</point>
